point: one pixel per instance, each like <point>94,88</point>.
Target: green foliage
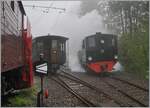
<point>134,51</point>
<point>130,19</point>
<point>20,101</point>
<point>24,98</point>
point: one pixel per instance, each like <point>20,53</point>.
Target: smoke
<point>68,24</point>
<point>87,6</point>
<point>76,29</point>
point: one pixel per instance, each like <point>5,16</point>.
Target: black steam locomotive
<point>53,49</point>
<point>99,52</point>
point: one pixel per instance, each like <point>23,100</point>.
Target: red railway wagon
<point>16,47</point>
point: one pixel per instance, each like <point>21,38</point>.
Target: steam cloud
<point>68,24</point>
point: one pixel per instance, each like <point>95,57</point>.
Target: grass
<point>26,97</point>
<point>20,101</point>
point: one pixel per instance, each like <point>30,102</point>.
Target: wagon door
<point>54,53</point>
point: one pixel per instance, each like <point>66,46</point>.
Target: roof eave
<point>21,7</point>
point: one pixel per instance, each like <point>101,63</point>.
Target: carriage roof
<point>52,37</point>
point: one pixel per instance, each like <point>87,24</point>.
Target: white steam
<point>67,24</point>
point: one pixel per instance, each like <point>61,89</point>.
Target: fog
<point>68,24</point>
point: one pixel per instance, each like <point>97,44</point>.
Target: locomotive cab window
<point>91,42</point>
<point>54,43</point>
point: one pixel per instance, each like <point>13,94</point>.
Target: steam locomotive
<point>53,49</point>
<point>16,48</point>
<point>98,53</point>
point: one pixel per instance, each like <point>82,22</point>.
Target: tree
<point>130,20</point>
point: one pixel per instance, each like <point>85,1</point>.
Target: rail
<point>63,84</point>
<point>132,84</point>
<point>72,77</point>
<point>124,93</point>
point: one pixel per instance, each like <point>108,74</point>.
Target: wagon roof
<point>52,37</point>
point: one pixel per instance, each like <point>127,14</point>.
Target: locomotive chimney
<point>48,34</point>
<point>98,32</point>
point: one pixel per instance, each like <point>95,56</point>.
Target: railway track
<point>125,94</point>
<point>98,90</point>
<point>128,84</point>
<point>120,90</point>
<point>69,89</point>
<point>132,84</point>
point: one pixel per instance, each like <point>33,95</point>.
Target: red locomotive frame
<point>102,66</point>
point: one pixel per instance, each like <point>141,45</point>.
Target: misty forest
<point>130,20</point>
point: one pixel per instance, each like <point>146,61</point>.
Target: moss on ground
<point>26,97</point>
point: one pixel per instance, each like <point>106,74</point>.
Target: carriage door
<point>54,52</point>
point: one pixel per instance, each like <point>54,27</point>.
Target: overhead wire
<point>38,19</point>
<point>38,6</point>
<point>58,18</point>
<point>50,6</point>
<point>56,21</point>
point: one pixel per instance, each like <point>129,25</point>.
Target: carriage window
<point>113,42</point>
<point>102,41</point>
<point>54,43</point>
<point>102,50</point>
<point>61,46</point>
<point>91,42</point>
<point>40,46</point>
